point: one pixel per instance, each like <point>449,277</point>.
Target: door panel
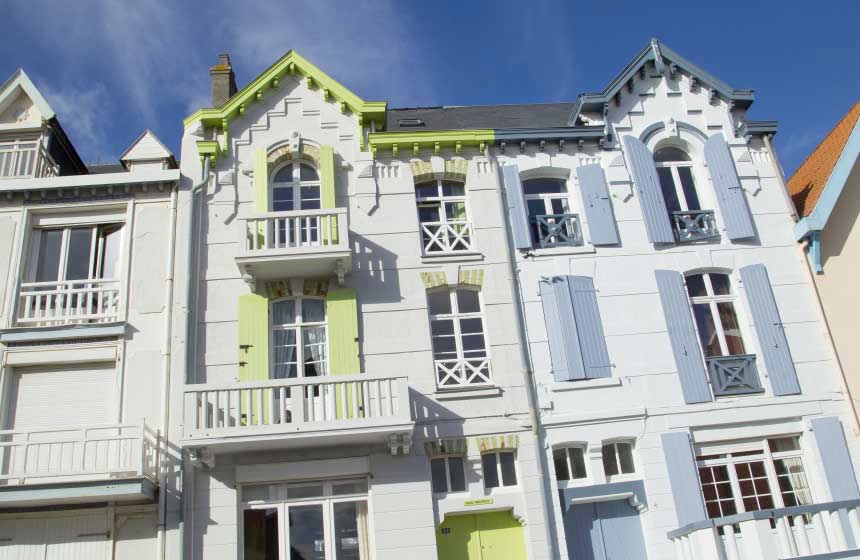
<point>306,526</point>
<point>501,536</point>
<point>457,538</point>
<point>622,531</point>
<point>584,537</point>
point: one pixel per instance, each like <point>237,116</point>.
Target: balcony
<point>557,230</point>
<point>694,225</point>
<point>300,243</point>
<point>25,160</point>
<point>78,465</point>
<point>813,531</point>
<point>444,238</point>
<point>68,302</point>
<point>465,373</point>
<point>733,375</point>
<point>293,413</point>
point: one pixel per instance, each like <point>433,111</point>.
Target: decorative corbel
<point>394,150</point>
<point>694,83</point>
<point>311,83</point>
<point>275,82</point>
<point>617,99</point>
<point>342,105</point>
<point>541,145</point>
<point>712,94</point>
<point>202,458</point>
<point>502,146</point>
<point>292,67</point>
<point>326,94</point>
<point>242,109</point>
<point>630,85</point>
<point>482,146</point>
<point>457,147</point>
<point>225,124</point>
<point>340,270</point>
<point>259,95</point>
<point>522,146</point>
<point>415,148</point>
<point>437,148</point>
<point>642,72</point>
<point>561,145</point>
<point>580,144</point>
<point>673,70</point>
<point>249,279</point>
<point>601,142</point>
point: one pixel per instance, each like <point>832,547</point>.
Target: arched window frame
<point>681,173</point>
<point>299,188</point>
<point>299,326</point>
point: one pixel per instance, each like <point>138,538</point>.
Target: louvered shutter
<point>343,358</point>
<point>517,214</point>
<point>833,452</point>
<point>589,327</point>
<point>563,340</point>
<point>261,180</point>
<point>683,477</point>
<point>327,192</point>
<point>730,196</point>
<point>654,210</point>
<point>598,206</point>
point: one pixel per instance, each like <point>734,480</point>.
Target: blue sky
<point>111,68</point>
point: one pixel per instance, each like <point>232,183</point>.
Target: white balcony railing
<point>296,231</point>
<point>447,237</point>
<point>68,302</point>
<point>25,159</point>
<point>452,374</point>
<point>286,405</point>
<point>78,454</point>
<point>774,534</point>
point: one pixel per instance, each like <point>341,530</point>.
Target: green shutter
<point>342,314</point>
<point>327,192</point>
<point>253,339</point>
<point>261,180</point>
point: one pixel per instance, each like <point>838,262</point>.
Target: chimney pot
<point>223,80</point>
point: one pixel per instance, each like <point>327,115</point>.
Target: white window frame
<point>96,250</point>
<point>440,200</point>
<point>455,316</point>
<point>448,489</point>
<point>567,448</point>
<point>327,501</point>
<point>711,299</point>
<point>676,178</point>
<point>299,325</point>
<point>742,454</point>
<point>498,453</point>
<point>614,443</point>
<point>296,184</point>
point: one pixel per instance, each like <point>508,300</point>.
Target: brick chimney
<point>223,80</point>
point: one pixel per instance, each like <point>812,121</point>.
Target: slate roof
<point>807,183</point>
<point>538,115</point>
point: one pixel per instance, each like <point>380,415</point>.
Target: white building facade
<point>88,470</point>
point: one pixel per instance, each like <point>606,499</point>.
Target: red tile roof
<point>807,183</point>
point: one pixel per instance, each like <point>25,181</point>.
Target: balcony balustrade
<point>554,230</point>
<point>27,159</point>
<point>733,375</point>
<point>453,374</point>
<point>441,238</point>
<point>68,302</point>
<point>694,225</point>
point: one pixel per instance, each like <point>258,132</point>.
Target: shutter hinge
<point>245,347</point>
<point>243,364</point>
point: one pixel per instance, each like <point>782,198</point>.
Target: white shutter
<point>50,398</point>
<point>55,538</point>
<point>22,539</point>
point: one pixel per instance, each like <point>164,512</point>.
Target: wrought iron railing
<point>694,225</point>
<point>452,374</point>
<point>553,230</point>
<point>733,375</point>
<point>447,237</point>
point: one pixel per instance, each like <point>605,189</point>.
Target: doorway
<point>494,535</point>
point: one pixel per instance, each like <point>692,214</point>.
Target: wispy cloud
<point>81,111</point>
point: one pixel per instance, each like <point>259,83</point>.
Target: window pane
<point>536,208</point>
<point>559,458</point>
<point>310,197</point>
<point>261,534</point>
<point>689,188</point>
<point>282,199</point>
<point>473,345</point>
<point>313,339</point>
<point>625,457</point>
<point>109,237</point>
<point>491,473</point>
<point>350,531</point>
<point>559,205</point>
<point>721,284</point>
<point>78,257</point>
<point>544,186</point>
<point>349,487</point>
<point>509,470</point>
<point>284,312</point>
<point>429,213</point>
<point>427,190</point>
<point>577,462</point>
<point>468,301</point>
<point>307,533</point>
<point>455,211</point>
<point>439,302</point>
<point>696,285</point>
<point>778,445</point>
<point>437,476</point>
<point>304,490</point>
<point>284,174</point>
<point>313,310</point>
<point>707,330</point>
<point>453,189</point>
<point>284,353</point>
<point>667,186</point>
<point>792,482</point>
<point>444,348</point>
<point>473,325</point>
<point>308,173</point>
<point>730,328</point>
<point>48,261</point>
<point>610,464</point>
<point>457,473</point>
<point>442,327</point>
<point>670,154</point>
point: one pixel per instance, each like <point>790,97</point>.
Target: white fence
<point>68,302</point>
<point>246,407</point>
<point>25,159</point>
<point>88,453</point>
<point>299,229</point>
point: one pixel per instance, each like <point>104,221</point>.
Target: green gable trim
<point>431,139</point>
<point>291,63</point>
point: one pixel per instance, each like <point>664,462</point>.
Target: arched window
<point>299,346</point>
<point>714,309</point>
<point>675,171</point>
<point>445,226</point>
<point>295,186</point>
<point>549,213</point>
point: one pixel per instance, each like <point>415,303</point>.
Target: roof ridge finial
<point>658,56</point>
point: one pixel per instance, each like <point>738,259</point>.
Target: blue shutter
<point>771,337</point>
<point>683,477</point>
<point>561,330</point>
<point>654,210</point>
<point>516,207</point>
<point>598,207</point>
<point>592,342</point>
<point>833,451</point>
<point>682,333</point>
<point>730,196</point>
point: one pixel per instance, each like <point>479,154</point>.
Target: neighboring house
<point>83,312</point>
<point>573,330</point>
<point>826,192</point>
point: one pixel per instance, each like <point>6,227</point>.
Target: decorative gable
<point>147,152</point>
<point>21,103</point>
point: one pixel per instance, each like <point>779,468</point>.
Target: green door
<point>486,536</point>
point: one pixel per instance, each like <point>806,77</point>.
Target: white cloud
<point>80,112</point>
